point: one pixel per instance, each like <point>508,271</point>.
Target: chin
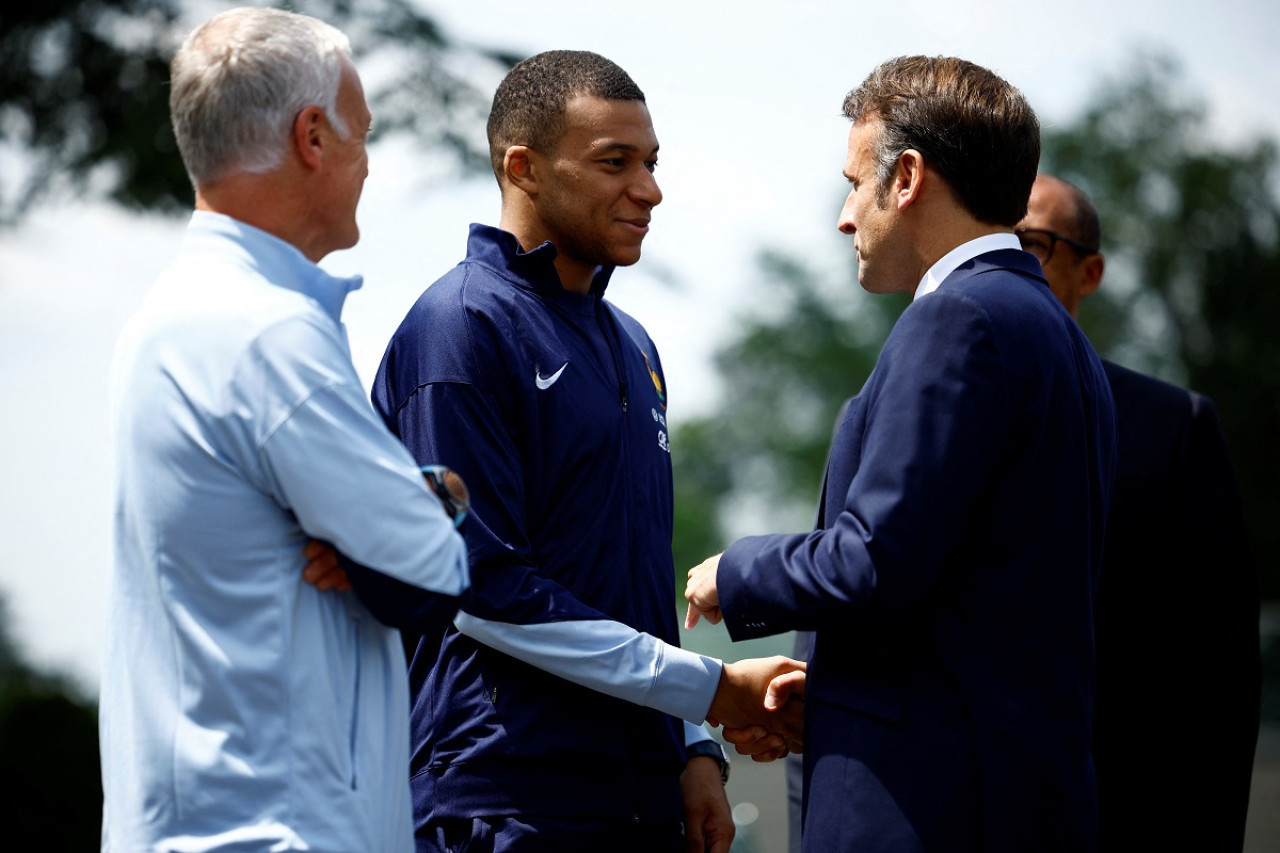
<point>348,240</point>
<point>874,285</point>
<point>625,259</point>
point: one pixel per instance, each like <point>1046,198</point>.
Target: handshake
<point>760,701</point>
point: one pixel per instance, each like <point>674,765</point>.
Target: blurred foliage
<point>84,93</point>
<point>1191,230</point>
<point>50,788</point>
<point>798,357</point>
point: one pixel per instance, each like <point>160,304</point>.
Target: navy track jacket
<point>552,407</point>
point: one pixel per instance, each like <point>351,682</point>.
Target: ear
<point>308,136</point>
<point>1091,274</point>
<point>518,167</point>
<point>908,178</point>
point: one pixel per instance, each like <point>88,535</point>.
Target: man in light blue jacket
<point>243,708</point>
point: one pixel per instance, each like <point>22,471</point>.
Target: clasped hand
<point>760,703</point>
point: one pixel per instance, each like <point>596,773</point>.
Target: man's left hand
<point>708,821</point>
<point>701,593</point>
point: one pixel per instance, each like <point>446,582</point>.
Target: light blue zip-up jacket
<point>241,708</point>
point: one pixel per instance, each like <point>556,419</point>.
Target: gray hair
<point>239,81</point>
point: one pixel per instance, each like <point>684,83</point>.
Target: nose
<point>845,221</point>
<point>645,189</point>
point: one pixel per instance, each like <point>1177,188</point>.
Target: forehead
<point>597,123</point>
<point>351,101</point>
<point>862,137</point>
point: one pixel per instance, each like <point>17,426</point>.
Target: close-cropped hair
<point>238,82</point>
<point>971,126</point>
<point>529,106</point>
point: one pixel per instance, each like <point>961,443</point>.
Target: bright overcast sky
<point>745,98</point>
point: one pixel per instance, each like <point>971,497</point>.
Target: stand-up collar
<point>500,250</point>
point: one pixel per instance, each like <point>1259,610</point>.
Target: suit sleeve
<point>511,606</point>
<point>937,415</point>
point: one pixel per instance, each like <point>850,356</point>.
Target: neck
<point>529,233</point>
<point>269,202</point>
<point>945,230</point>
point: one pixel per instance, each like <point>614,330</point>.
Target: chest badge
<point>657,381</point>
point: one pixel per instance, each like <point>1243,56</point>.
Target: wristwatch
<point>451,491</point>
<point>713,750</point>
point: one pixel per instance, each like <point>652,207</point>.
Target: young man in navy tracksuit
<point>548,716</point>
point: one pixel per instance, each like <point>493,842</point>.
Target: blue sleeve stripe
<point>609,657</point>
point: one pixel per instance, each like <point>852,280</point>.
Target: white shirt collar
<point>948,263</point>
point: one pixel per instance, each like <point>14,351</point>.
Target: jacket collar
<point>536,269</point>
<point>1015,260</point>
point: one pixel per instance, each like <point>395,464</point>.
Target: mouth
<point>639,226</point>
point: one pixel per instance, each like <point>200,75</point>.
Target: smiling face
<point>870,217</point>
<point>596,190</point>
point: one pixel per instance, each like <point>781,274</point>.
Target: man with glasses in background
<point>1176,620</point>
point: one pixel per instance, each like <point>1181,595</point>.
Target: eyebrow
<point>617,145</point>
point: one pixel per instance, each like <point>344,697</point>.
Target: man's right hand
<point>747,697</point>
<point>322,569</point>
<point>758,742</point>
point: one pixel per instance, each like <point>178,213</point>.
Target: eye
<point>651,165</point>
<point>1036,244</point>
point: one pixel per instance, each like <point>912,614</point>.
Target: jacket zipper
<point>610,331</point>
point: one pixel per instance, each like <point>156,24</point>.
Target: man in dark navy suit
<point>1176,622</point>
<point>950,579</point>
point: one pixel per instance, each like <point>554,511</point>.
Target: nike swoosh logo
<point>545,383</point>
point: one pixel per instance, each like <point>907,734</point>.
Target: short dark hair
<point>977,131</point>
<point>529,106</point>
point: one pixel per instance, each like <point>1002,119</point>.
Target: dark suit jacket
<point>1176,719</point>
<point>951,583</point>
<point>1176,632</point>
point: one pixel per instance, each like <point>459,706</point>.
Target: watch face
<point>451,491</point>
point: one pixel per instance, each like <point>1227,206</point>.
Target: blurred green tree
<point>757,465</point>
<point>84,93</point>
<point>50,787</point>
<point>1191,231</point>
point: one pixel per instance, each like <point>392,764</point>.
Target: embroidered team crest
<point>657,380</point>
